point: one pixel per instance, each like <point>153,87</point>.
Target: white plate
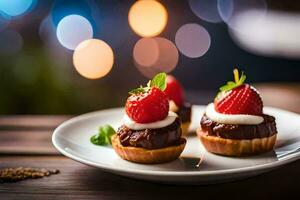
<point>72,139</point>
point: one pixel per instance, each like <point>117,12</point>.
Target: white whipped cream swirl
<point>232,118</point>
<point>153,125</point>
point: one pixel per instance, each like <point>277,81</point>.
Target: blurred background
<point>72,57</point>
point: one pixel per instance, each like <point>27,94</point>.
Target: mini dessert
<point>150,132</point>
<point>174,91</point>
<point>235,125</point>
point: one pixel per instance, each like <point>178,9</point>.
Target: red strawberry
<point>174,90</point>
<point>149,106</point>
<point>243,99</point>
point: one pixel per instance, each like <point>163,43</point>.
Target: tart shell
<point>233,147</point>
<point>147,156</point>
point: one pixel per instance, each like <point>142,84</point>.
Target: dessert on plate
<point>235,125</point>
<point>175,93</point>
<point>150,132</point>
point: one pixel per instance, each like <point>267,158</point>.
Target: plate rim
<point>255,168</point>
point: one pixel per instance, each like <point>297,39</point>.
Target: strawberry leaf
<point>138,90</point>
<point>238,81</point>
<point>231,83</point>
<point>227,87</point>
<point>242,79</point>
<point>159,81</point>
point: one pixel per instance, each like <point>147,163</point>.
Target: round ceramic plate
<point>195,165</point>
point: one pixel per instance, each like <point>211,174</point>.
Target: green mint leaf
<point>103,137</point>
<point>137,90</point>
<point>108,132</point>
<point>98,139</point>
<point>159,81</point>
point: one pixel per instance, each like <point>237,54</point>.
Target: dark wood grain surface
<point>26,141</point>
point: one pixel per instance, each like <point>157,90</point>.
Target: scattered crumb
<point>22,173</point>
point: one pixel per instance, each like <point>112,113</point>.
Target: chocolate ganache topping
<point>231,131</point>
<point>151,138</point>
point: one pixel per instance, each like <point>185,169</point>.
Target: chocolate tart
<point>237,140</point>
<point>149,146</point>
<point>147,156</point>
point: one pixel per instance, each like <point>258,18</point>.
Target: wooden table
<point>25,141</point>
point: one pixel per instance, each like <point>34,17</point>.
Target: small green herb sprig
<point>238,80</point>
<point>158,81</point>
<point>103,137</point>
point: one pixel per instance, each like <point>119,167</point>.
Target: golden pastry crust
<point>185,128</point>
<point>231,147</point>
<point>147,156</point>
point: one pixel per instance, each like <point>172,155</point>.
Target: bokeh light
<point>15,7</point>
<point>153,55</point>
<point>72,30</point>
<point>147,18</point>
<point>206,10</point>
<point>93,58</point>
<point>148,72</point>
<point>230,10</point>
<point>256,35</point>
<point>192,40</point>
<point>146,52</point>
<point>168,55</point>
<point>225,9</point>
<point>11,42</point>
